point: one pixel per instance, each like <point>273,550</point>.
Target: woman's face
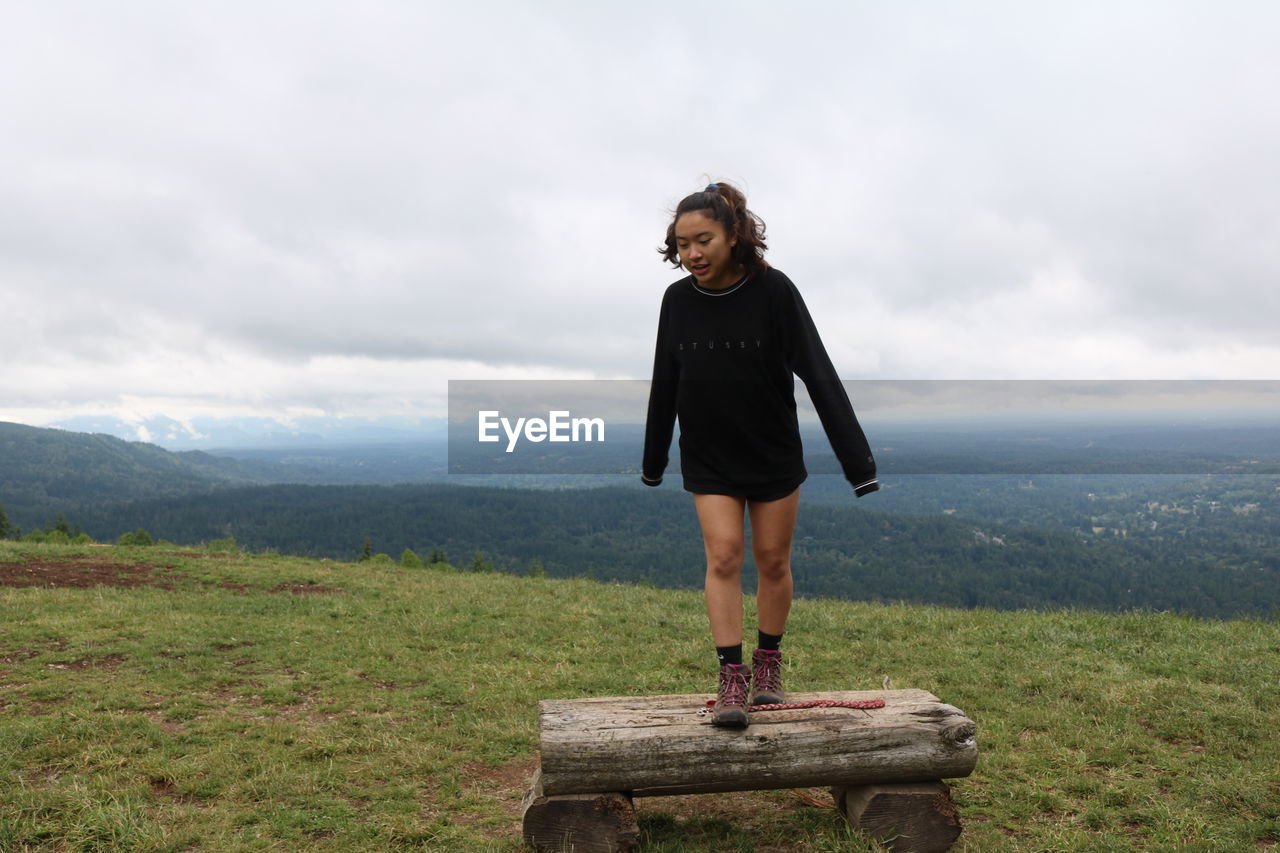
<point>705,250</point>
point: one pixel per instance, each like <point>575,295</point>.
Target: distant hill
<point>47,470</point>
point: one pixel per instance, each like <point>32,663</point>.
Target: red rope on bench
<point>856,704</point>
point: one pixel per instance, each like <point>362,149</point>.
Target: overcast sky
<point>286,208</point>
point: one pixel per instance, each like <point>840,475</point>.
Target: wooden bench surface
<point>655,745</point>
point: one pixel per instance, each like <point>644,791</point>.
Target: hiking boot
<point>766,678</point>
<point>731,702</point>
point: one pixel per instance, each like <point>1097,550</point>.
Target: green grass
<point>384,708</point>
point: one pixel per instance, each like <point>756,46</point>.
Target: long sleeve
<point>660,422</point>
<point>809,360</point>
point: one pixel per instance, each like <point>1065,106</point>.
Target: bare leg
<point>773,526</point>
<point>724,535</point>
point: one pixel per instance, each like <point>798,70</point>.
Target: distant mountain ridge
<point>209,433</point>
<point>44,470</point>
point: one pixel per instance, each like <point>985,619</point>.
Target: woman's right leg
<point>724,537</point>
<point>724,534</point>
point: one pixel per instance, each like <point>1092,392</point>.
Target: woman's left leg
<point>773,526</point>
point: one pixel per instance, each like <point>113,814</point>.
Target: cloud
<point>289,205</point>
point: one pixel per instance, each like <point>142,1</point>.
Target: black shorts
<point>755,494</point>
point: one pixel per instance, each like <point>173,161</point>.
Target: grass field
<point>169,699</point>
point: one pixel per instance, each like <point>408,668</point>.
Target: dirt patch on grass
<point>42,777</point>
<point>84,573</point>
<point>504,786</point>
<point>513,778</point>
<point>81,574</point>
<point>743,809</point>
<point>110,661</point>
<point>163,787</point>
<point>56,644</point>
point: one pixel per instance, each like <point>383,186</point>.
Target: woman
<point>731,335</point>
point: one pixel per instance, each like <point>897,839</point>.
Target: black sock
<point>729,654</point>
<point>769,642</point>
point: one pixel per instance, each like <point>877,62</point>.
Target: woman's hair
<point>728,206</point>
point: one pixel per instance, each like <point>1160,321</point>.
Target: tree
<point>226,545</point>
<point>366,553</point>
<point>5,527</point>
<point>137,537</point>
<point>410,560</point>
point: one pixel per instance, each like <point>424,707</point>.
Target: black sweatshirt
<point>724,363</point>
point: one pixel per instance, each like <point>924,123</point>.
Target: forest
<point>1203,547</point>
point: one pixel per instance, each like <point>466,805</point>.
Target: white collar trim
<point>724,292</point>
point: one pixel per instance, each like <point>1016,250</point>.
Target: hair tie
<point>711,187</point>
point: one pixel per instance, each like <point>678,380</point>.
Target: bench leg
<point>906,818</point>
<point>581,823</point>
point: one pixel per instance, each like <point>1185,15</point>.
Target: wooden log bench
<point>884,766</point>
